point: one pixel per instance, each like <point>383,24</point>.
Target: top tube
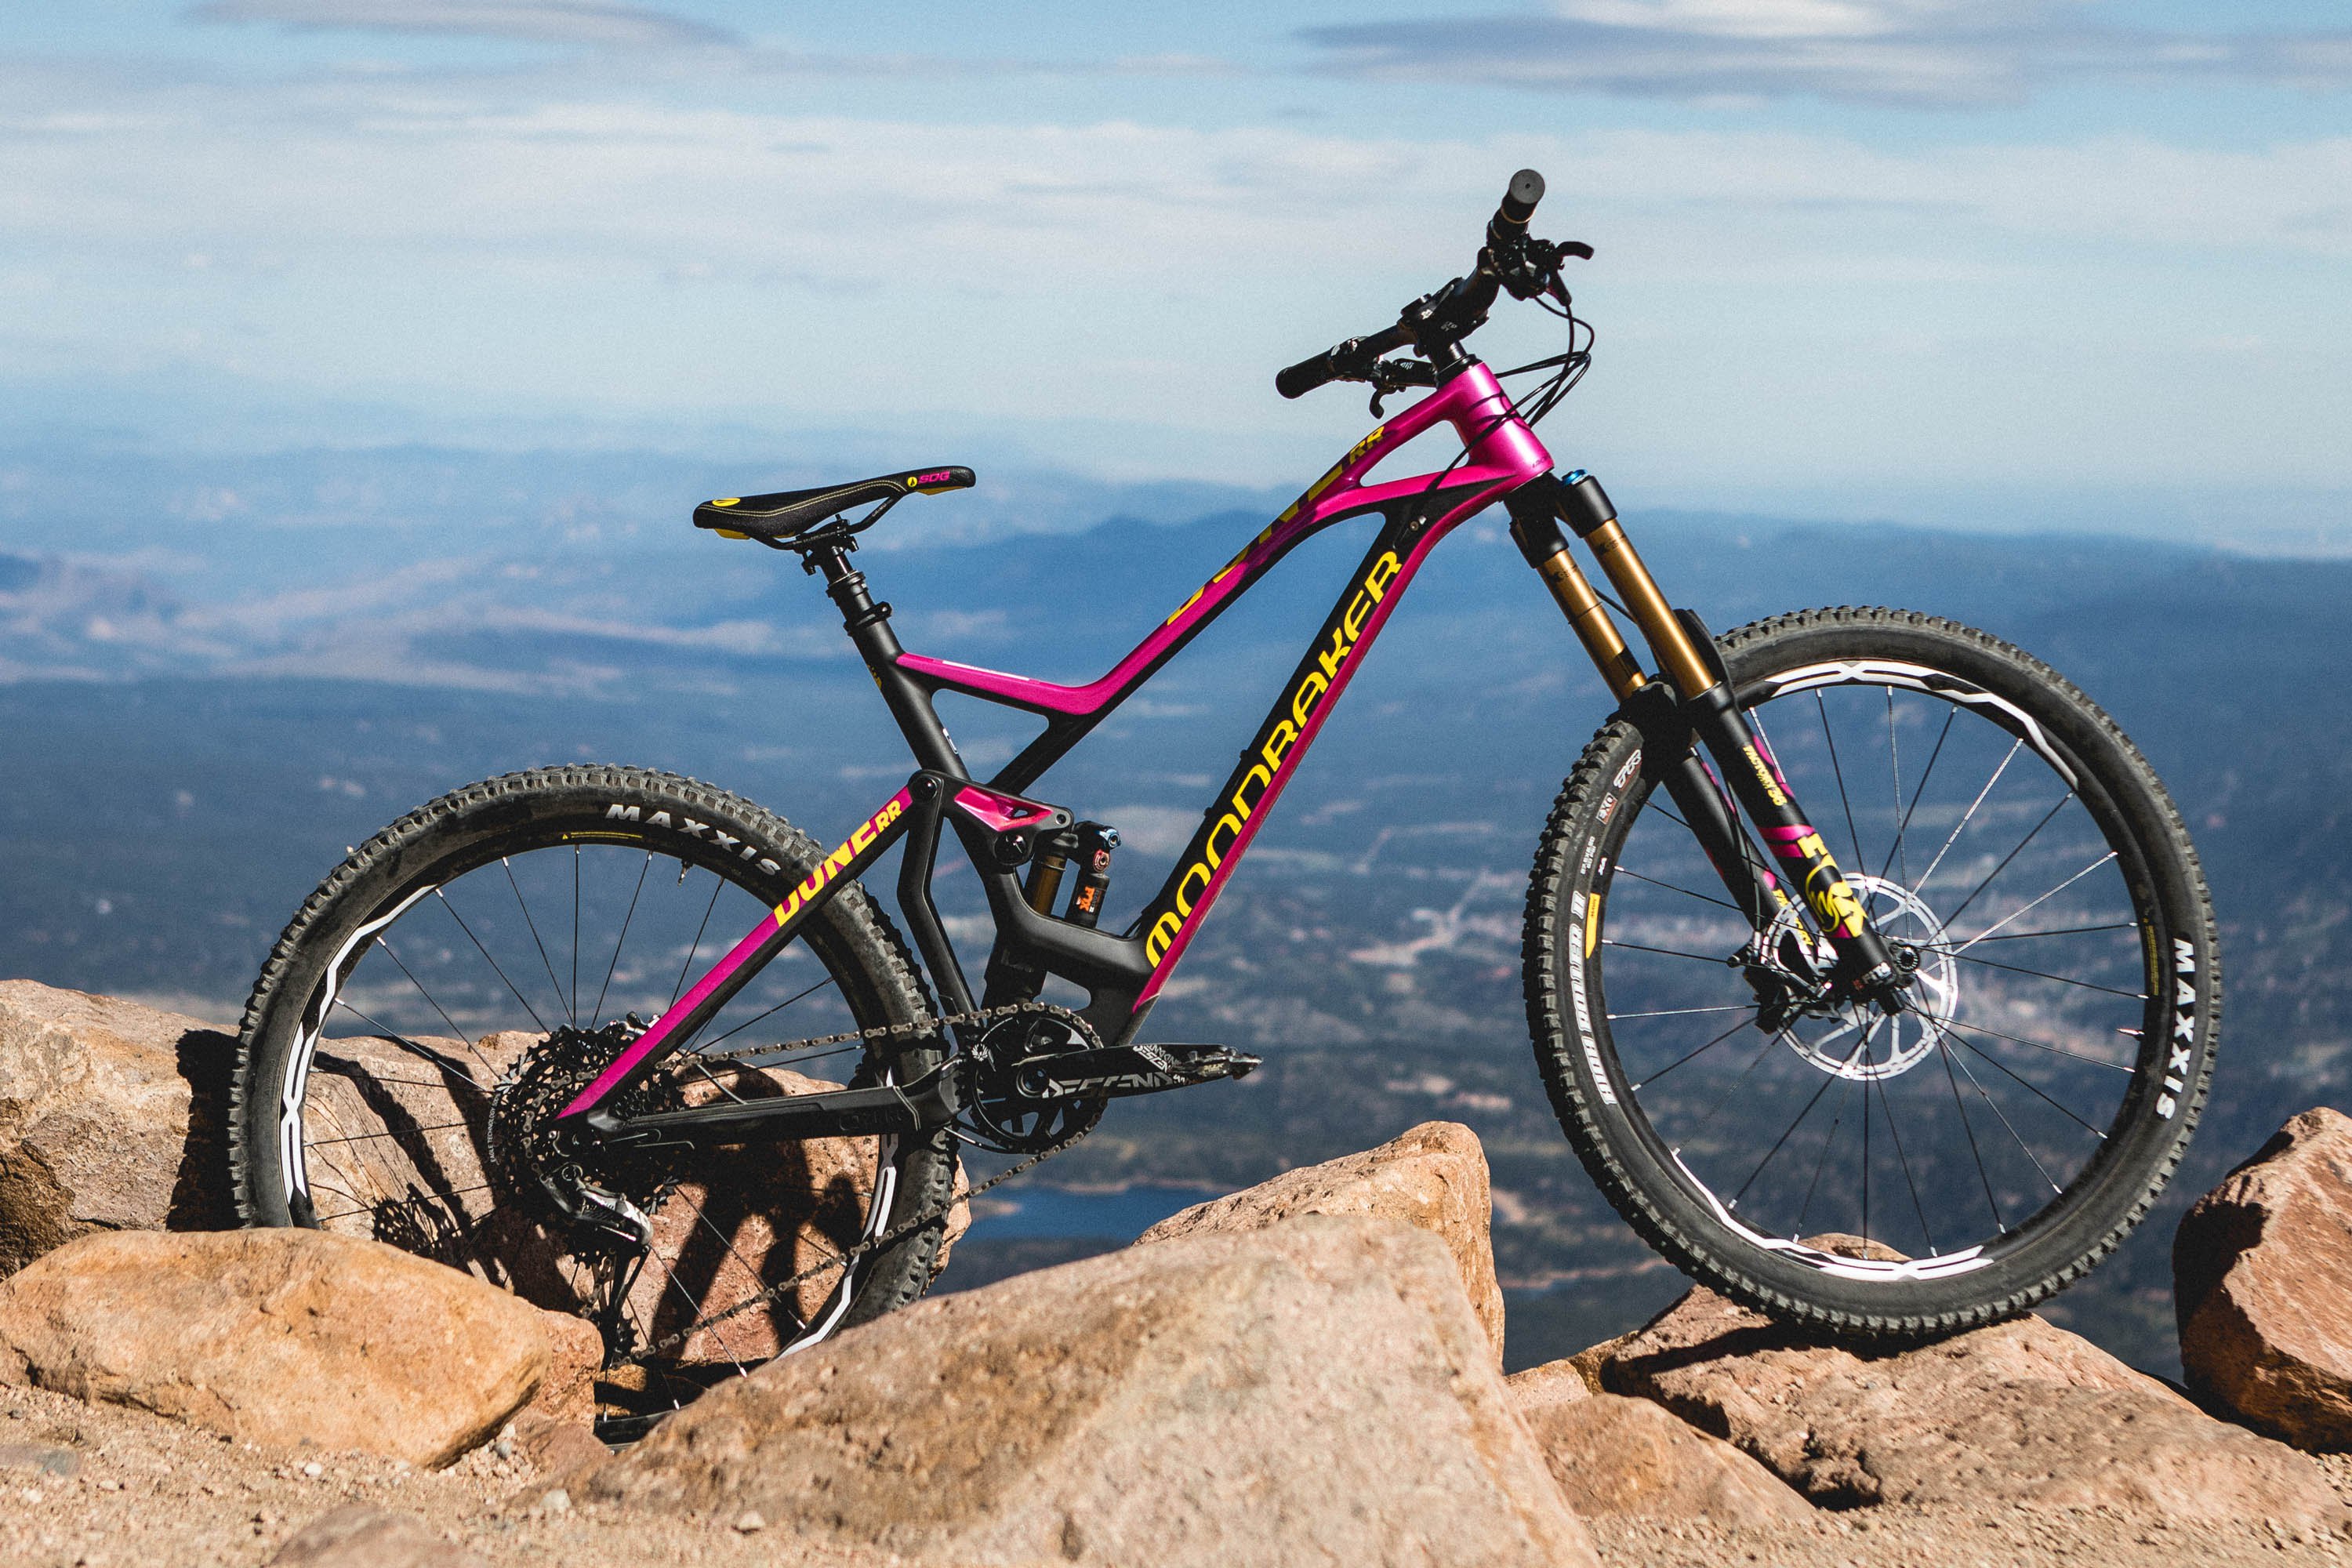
<point>1500,453</point>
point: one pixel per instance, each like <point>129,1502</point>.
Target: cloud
<point>605,24</point>
<point>1930,53</point>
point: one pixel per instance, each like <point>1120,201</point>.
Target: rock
<point>1588,1362</point>
<point>1433,1176</point>
<point>2262,1269</point>
<point>2019,1415</point>
<point>1612,1454</point>
<point>39,1457</point>
<point>1541,1387</point>
<point>358,1536</point>
<point>575,1354</point>
<point>110,1119</point>
<point>558,1448</point>
<point>1315,1392</point>
<point>279,1337</point>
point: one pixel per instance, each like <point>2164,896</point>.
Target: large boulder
<point>2262,1269</point>
<point>2019,1415</point>
<point>1432,1176</point>
<point>110,1120</point>
<point>279,1337</point>
<point>1315,1392</point>
<point>1614,1456</point>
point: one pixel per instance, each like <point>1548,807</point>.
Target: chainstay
<point>841,1261</point>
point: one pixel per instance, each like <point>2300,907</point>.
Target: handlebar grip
<point>1519,202</point>
<point>1308,375</point>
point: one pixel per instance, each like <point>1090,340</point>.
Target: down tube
<point>1174,916</point>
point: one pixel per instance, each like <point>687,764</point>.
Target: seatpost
<point>867,622</point>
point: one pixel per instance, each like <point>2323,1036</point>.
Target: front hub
<point>1858,1039</point>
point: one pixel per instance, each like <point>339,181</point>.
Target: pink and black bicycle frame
<point>1122,974</point>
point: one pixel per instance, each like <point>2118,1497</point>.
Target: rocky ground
<point>144,1492</point>
<point>1304,1372</point>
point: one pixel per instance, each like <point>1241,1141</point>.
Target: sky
<point>1998,263</point>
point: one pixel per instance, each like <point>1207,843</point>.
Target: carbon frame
<point>1123,974</point>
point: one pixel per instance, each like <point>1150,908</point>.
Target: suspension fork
<point>1700,706</point>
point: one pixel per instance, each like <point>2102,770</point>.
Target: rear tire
<point>428,932</point>
<point>2041,1000</point>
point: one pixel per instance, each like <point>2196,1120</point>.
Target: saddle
<point>785,514</point>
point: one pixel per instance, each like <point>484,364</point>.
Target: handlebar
<point>1350,360</point>
<point>1455,311</point>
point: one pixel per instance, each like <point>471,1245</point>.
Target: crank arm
<point>930,1102</point>
<point>1115,1072</point>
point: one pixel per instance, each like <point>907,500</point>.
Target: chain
<point>897,1233</point>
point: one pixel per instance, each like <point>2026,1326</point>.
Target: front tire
<point>1846,1170</point>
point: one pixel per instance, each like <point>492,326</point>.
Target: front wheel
<point>1825,1162</point>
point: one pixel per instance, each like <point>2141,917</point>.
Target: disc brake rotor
<point>1856,1040</point>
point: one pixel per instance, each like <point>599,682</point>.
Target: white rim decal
<point>1934,682</point>
<point>294,1169</point>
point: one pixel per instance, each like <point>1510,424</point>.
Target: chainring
<point>997,1114</point>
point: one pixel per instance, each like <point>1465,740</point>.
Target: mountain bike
<point>1869,968</point>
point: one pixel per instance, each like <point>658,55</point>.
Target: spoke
<point>669,1271</point>
<point>1837,772</point>
<point>2058,1050</point>
<point>547,962</point>
<point>1866,1155</point>
<point>396,1133</point>
<point>598,1011</point>
<point>575,935</point>
<point>1820,1163</point>
<point>2053,893</point>
<point>2039,975</point>
<point>1827,1079</point>
<point>1969,816</point>
<point>717,883</point>
<point>2002,1068</point>
<point>1968,1127</point>
<point>1904,826</point>
<point>457,1033</point>
<point>1887,1109</point>
<point>779,1008</point>
<point>1728,1089</point>
<point>2022,935</point>
<point>491,962</point>
<point>742,1262</point>
<point>1678,1061</point>
<point>2013,855</point>
<point>441,1060</point>
<point>1685,1011</point>
<point>1686,892</point>
<point>1662,952</point>
<point>1999,1112</point>
<point>1894,767</point>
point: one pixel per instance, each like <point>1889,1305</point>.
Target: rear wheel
<point>432,997</point>
<point>1825,1162</point>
